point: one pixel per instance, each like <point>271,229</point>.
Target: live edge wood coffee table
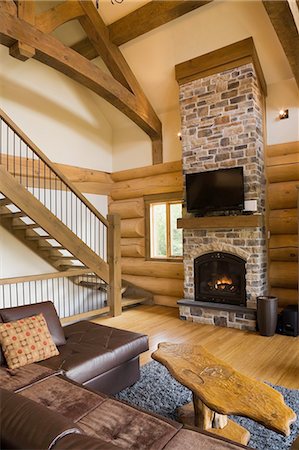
<point>219,390</point>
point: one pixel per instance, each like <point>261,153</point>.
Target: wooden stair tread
<point>12,214</point>
<point>5,201</point>
<point>25,226</point>
<point>38,238</point>
<point>132,301</point>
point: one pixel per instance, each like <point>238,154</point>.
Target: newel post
<point>114,261</point>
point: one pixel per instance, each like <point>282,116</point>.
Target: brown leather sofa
<point>40,409</point>
<point>103,358</point>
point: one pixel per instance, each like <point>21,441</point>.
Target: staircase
<point>46,212</point>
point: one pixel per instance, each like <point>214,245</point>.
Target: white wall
<point>282,95</point>
<point>61,117</point>
<point>16,259</point>
<point>64,119</point>
<point>154,55</point>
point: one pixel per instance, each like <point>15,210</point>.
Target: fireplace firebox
<point>220,278</point>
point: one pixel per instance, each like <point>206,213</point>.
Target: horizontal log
<point>131,228</point>
<point>283,221</point>
<point>87,180</point>
<point>128,209</point>
<point>132,247</point>
<point>285,296</point>
<point>147,171</point>
<point>282,149</point>
<point>163,269</point>
<point>283,195</point>
<point>292,158</point>
<point>283,241</point>
<point>166,300</point>
<point>283,254</point>
<point>283,274</point>
<point>158,286</point>
<point>36,173</point>
<point>159,184</point>
<point>285,172</point>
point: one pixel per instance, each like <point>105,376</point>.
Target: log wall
<point>164,279</point>
<point>282,164</point>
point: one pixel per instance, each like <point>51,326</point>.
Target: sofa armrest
<point>26,424</point>
<point>82,441</point>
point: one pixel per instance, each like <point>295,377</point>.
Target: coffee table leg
<point>205,418</point>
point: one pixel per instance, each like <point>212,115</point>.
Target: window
<point>164,239</point>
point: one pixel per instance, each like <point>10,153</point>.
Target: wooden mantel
<point>242,221</point>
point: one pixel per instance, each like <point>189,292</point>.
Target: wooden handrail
<point>44,276</point>
<point>49,163</point>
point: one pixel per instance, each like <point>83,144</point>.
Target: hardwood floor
<point>274,359</point>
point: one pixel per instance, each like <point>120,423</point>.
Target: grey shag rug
<point>159,392</point>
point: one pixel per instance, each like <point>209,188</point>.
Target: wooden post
<point>114,261</point>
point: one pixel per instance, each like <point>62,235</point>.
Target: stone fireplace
<point>224,266</point>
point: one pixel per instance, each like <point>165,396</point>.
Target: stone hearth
<point>222,126</point>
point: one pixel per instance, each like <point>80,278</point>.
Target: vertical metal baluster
<point>14,154</point>
<point>39,177</point>
<point>61,190</point>
<point>1,144</point>
<point>26,184</point>
<point>47,284</point>
<point>86,231</point>
<point>20,160</point>
<point>29,290</point>
<point>7,144</point>
<point>71,210</point>
<point>81,217</point>
<point>66,207</point>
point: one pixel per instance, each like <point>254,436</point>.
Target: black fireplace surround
<point>220,278</point>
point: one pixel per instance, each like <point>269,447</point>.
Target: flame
<point>224,280</point>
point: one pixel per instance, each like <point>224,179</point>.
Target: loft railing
<point>25,161</point>
<point>71,292</point>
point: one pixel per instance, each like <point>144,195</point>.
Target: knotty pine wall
<point>164,279</point>
<point>282,168</point>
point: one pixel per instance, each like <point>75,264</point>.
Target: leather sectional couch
<point>41,409</point>
<point>47,405</point>
<point>103,358</point>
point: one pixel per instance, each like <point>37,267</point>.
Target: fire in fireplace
<point>220,278</point>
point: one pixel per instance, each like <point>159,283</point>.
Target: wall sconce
<point>283,114</point>
<point>180,136</point>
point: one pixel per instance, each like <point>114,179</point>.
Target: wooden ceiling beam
<point>98,35</point>
<point>53,53</point>
<point>58,15</point>
<point>26,12</point>
<point>283,22</point>
<point>150,16</point>
<point>9,7</point>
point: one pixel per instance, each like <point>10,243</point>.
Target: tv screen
<point>216,190</point>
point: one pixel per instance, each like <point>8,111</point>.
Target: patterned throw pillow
<point>26,341</point>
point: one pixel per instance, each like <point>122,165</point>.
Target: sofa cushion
<point>127,427</point>
<point>17,379</point>
<point>46,308</point>
<point>190,440</point>
<point>26,341</point>
<point>64,397</point>
<point>92,349</point>
<point>28,425</point>
<point>82,442</point>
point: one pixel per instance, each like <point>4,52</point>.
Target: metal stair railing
<point>27,163</point>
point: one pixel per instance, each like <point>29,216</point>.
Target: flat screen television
<point>215,190</point>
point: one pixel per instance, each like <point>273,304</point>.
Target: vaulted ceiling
<point>142,84</point>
